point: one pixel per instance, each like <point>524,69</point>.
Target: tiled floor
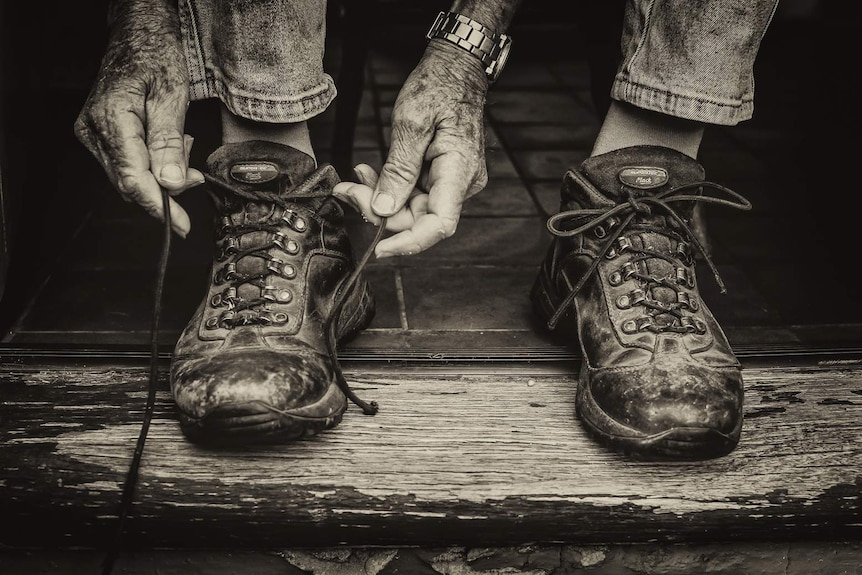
<point>468,295</point>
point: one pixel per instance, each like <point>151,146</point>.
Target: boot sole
<point>688,443</point>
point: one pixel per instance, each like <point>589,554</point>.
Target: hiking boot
<point>253,365</point>
<point>658,377</point>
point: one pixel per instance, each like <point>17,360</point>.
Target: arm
<point>132,121</point>
<point>438,141</point>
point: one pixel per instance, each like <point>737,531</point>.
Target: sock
<point>627,125</point>
<point>236,129</point>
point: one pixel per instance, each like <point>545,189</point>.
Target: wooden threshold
<point>461,453</point>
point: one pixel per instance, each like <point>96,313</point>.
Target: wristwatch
<point>491,49</point>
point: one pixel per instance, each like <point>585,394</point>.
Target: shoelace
<point>628,213</point>
<point>368,408</point>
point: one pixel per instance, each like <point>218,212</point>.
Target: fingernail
<point>383,203</point>
<point>172,173</point>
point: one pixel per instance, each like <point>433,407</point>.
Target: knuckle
<point>165,140</point>
<point>398,172</point>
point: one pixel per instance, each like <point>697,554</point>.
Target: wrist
<point>457,61</point>
<point>474,38</point>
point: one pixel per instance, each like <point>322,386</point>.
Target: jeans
<point>692,59</point>
<point>262,58</point>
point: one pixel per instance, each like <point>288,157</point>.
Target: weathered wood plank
<point>468,459</point>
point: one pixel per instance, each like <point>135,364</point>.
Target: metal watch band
<point>490,48</point>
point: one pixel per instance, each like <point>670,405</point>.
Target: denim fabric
<point>692,59</point>
<point>262,58</point>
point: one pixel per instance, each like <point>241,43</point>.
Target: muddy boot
<point>253,366</point>
<point>658,377</point>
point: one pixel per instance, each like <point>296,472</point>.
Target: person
<point>256,361</point>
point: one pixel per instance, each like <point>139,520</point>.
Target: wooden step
<point>471,454</point>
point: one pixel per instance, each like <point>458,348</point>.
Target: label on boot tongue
<point>643,177</point>
<point>254,172</point>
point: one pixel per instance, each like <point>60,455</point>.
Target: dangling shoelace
<point>629,210</point>
<point>368,408</point>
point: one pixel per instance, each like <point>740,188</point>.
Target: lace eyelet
<point>624,302</point>
<point>630,327</point>
<point>600,232</point>
<point>212,323</point>
<point>615,279</point>
<point>226,225</point>
<point>279,317</point>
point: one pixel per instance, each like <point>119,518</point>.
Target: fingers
<point>165,113</point>
<point>358,196</point>
<point>113,131</point>
<point>136,181</point>
<point>449,187</point>
<point>400,172</point>
<point>426,218</point>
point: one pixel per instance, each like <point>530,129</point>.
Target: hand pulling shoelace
<point>629,210</point>
<point>368,408</point>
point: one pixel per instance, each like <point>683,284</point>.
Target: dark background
<point>805,76</point>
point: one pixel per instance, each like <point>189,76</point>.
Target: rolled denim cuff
<point>260,107</point>
<point>697,107</point>
<point>263,60</point>
<point>692,60</point>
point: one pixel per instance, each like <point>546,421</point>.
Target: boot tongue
<point>259,166</point>
<point>639,171</point>
<point>249,167</point>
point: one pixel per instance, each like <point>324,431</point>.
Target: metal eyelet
<point>630,327</point>
<point>279,317</point>
<point>623,244</point>
<point>684,278</point>
<point>615,279</point>
<point>294,220</point>
<point>628,270</point>
<point>226,225</point>
<point>600,232</point>
<point>229,247</point>
<point>275,294</point>
<point>212,323</point>
<point>684,253</point>
<point>687,301</point>
<point>631,299</point>
<point>225,320</point>
<point>225,274</point>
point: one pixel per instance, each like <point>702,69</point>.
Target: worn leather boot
<point>658,377</point>
<point>252,365</point>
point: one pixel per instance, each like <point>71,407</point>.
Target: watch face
<point>500,62</point>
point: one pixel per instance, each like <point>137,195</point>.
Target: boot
<point>253,365</point>
<point>658,378</point>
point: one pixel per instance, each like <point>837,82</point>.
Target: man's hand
<point>132,121</point>
<point>436,158</point>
